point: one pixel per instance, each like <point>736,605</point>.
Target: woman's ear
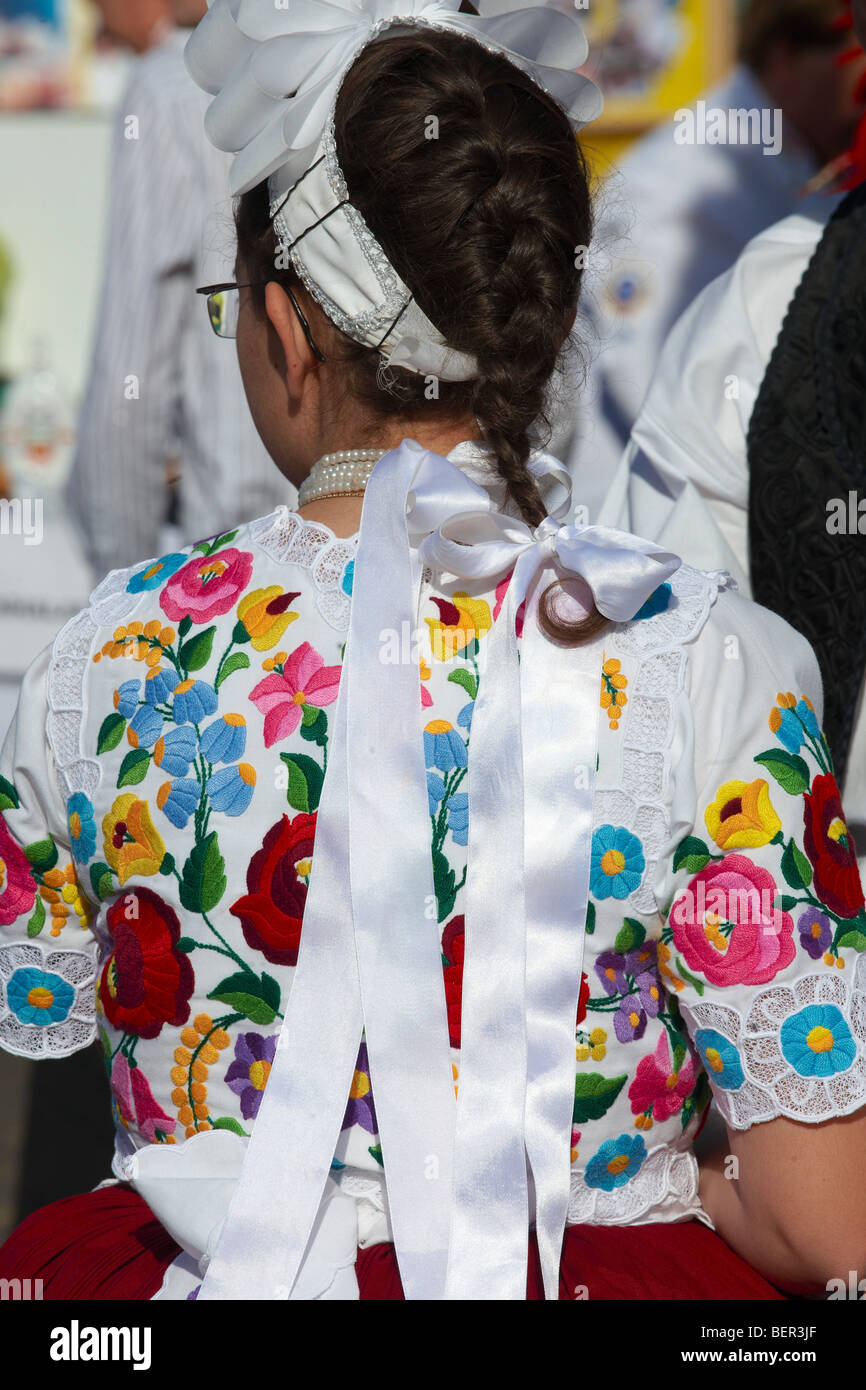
<point>298,357</point>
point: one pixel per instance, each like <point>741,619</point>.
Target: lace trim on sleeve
<point>800,1050</point>
<point>655,661</point>
<point>665,1189</point>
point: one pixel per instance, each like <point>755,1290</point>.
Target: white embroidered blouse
<point>159,795</point>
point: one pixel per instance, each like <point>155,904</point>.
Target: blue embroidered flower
<point>231,789</point>
<point>158,685</point>
<point>817,1041</point>
<point>175,751</point>
<point>458,818</point>
<point>616,863</point>
<point>126,698</point>
<point>179,799</point>
<point>616,1162</point>
<point>720,1058</point>
<point>82,827</point>
<point>155,573</point>
<point>145,728</point>
<point>464,718</point>
<point>656,603</point>
<point>435,791</point>
<point>193,700</point>
<point>789,730</point>
<point>39,997</point>
<point>443,746</point>
<point>348,578</point>
<point>225,740</point>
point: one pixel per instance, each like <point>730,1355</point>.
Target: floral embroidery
<point>155,573</point>
<point>658,602</point>
<point>661,1084</point>
<point>265,615</point>
<point>136,1105</point>
<point>17,889</point>
<point>617,862</point>
<point>271,911</point>
<point>146,981</point>
<point>830,849</point>
<point>248,1074</point>
<point>298,690</point>
<point>726,928</point>
<point>453,944</point>
<point>501,588</point>
<point>613,688</point>
<point>794,722</point>
<point>817,1041</point>
<point>131,843</point>
<point>360,1109</point>
<point>202,1042</point>
<point>742,816</point>
<point>82,827</point>
<point>39,997</point>
<point>815,933</point>
<point>616,1162</point>
<point>720,1058</point>
<point>207,585</point>
<point>462,620</point>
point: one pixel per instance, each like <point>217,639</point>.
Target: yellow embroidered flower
<point>613,688</point>
<point>264,614</point>
<point>663,956</point>
<point>742,816</point>
<point>131,842</point>
<point>461,620</point>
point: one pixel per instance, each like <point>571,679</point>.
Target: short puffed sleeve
<point>48,953</point>
<point>764,941</point>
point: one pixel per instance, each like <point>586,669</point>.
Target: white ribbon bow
<point>370,956</point>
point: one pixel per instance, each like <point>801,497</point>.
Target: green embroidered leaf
<point>203,880</point>
<point>789,770</point>
<point>134,767</point>
<point>594,1094</point>
<point>184,626</point>
<point>786,902</point>
<point>110,733</point>
<point>376,1151</point>
<point>590,917</point>
<point>855,940</point>
<point>8,796</point>
<point>238,661</point>
<point>226,1122</point>
<point>196,652</point>
<point>443,882</point>
<point>691,854</point>
<point>630,935</point>
<point>101,880</point>
<point>697,985</point>
<point>41,855</point>
<point>305,781</point>
<point>167,865</point>
<point>225,539</point>
<point>679,1056</point>
<point>314,725</point>
<point>37,921</point>
<point>796,868</point>
<point>249,995</point>
<point>239,632</point>
<point>186,944</point>
<point>467,680</point>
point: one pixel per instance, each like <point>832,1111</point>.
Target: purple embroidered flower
<point>248,1074</point>
<point>630,1019</point>
<point>610,969</point>
<point>360,1110</point>
<point>641,965</point>
<point>815,932</point>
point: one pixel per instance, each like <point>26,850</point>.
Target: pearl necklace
<point>344,473</point>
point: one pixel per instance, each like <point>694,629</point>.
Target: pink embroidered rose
<point>726,927</point>
<point>136,1102</point>
<point>501,588</point>
<point>207,586</point>
<point>17,889</point>
<point>281,696</point>
<point>658,1086</point>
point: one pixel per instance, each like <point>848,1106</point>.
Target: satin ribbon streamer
<point>370,958</point>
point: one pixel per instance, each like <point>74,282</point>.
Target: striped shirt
<point>161,384</point>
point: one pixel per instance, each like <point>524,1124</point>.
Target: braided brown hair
<point>484,222</point>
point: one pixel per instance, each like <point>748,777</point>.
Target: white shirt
<point>161,383</point>
<point>684,479</point>
<point>672,218</point>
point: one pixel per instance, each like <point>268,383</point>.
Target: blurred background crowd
<point>123,427</point>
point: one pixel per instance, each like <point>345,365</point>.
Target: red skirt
<point>108,1245</point>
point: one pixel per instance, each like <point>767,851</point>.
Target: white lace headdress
<point>275,70</point>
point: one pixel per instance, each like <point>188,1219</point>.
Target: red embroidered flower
<point>207,586</point>
<point>830,848</point>
<point>501,588</point>
<point>583,999</point>
<point>453,942</point>
<point>146,981</point>
<point>272,911</point>
<point>657,1087</point>
<point>17,889</point>
<point>136,1103</point>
